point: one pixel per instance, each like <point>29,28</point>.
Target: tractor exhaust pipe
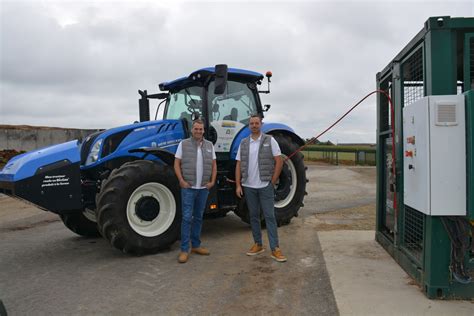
<point>144,106</point>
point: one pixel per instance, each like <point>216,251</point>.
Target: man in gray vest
<point>258,167</point>
<point>196,169</point>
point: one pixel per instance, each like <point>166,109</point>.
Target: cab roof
<point>202,74</point>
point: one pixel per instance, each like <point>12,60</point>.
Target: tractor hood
<point>118,142</point>
<point>50,177</point>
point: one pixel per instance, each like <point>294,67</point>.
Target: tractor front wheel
<point>139,208</point>
<point>82,223</point>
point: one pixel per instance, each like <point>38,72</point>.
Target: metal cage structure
<point>439,60</point>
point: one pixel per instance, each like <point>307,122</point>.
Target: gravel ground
<point>46,269</point>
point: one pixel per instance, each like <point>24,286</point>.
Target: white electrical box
<point>434,163</point>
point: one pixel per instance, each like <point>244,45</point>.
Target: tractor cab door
<point>229,112</point>
<point>185,105</point>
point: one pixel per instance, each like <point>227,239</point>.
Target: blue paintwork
<point>242,73</point>
<point>266,128</point>
<point>25,165</point>
<point>144,134</point>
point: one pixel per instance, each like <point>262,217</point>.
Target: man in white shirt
<point>258,167</point>
<point>196,169</point>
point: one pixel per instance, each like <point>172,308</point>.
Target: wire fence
<point>341,155</point>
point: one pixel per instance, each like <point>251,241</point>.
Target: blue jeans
<point>193,202</point>
<point>262,199</point>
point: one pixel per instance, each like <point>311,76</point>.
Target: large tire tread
<point>80,225</point>
<point>112,202</point>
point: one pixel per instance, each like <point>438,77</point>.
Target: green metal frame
<point>439,39</point>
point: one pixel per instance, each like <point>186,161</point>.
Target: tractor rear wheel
<point>82,223</point>
<point>139,208</point>
<point>290,188</point>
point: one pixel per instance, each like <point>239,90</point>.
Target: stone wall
<point>26,138</point>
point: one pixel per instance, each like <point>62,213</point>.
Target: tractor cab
<point>224,100</point>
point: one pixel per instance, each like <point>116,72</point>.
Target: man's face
<point>255,124</point>
<point>197,131</point>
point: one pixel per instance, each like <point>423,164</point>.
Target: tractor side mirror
<point>221,79</point>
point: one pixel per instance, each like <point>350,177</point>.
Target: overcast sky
<point>80,63</point>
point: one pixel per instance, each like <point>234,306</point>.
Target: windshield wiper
<point>192,100</point>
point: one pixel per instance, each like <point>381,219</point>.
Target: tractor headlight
<point>94,154</point>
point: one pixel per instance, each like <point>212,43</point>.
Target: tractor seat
<point>232,116</point>
<point>185,115</point>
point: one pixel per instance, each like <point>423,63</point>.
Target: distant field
<point>350,155</point>
<point>339,148</point>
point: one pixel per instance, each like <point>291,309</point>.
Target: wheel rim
<point>151,223</point>
<point>90,215</point>
<point>294,179</point>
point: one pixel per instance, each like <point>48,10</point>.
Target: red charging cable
<point>392,110</point>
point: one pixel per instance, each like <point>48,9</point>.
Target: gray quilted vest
<point>189,158</point>
<point>266,162</point>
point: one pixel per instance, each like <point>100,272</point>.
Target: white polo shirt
<point>253,179</point>
<point>199,163</point>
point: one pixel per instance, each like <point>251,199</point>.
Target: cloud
<point>80,64</point>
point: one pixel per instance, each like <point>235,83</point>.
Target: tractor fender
<point>164,155</point>
<point>267,128</point>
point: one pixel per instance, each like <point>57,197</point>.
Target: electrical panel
<point>434,163</point>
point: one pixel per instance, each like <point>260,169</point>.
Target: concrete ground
<point>332,268</point>
<point>367,281</point>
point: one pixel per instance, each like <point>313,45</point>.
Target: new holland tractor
<point>120,183</point>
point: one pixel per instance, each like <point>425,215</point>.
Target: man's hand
<point>184,184</point>
<point>278,167</point>
<point>238,191</point>
<point>209,185</point>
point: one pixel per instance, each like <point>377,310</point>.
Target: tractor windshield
<point>236,104</point>
<point>183,103</point>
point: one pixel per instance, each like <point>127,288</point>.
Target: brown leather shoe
<point>183,257</point>
<point>277,255</point>
<point>255,250</point>
<point>201,251</point>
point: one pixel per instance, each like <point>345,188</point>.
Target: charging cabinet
<point>425,158</point>
<point>434,156</point>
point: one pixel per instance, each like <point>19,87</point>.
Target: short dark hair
<point>197,121</point>
<point>256,115</point>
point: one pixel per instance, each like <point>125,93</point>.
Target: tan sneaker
<point>277,255</point>
<point>255,250</point>
<point>201,251</point>
<point>183,257</point>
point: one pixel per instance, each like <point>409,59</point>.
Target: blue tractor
<point>120,183</point>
